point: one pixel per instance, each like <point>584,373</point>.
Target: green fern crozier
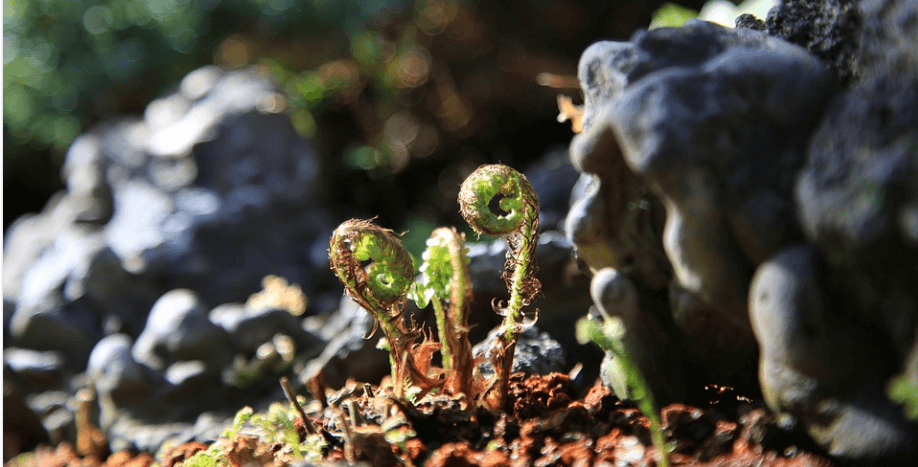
<point>377,272</point>
<point>519,223</point>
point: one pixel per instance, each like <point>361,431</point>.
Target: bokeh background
<point>400,97</point>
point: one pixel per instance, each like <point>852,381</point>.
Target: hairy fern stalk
<point>377,272</point>
<point>445,283</point>
<point>518,221</point>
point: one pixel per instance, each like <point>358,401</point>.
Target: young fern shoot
<point>445,277</point>
<point>608,333</point>
<point>519,222</point>
<point>377,272</point>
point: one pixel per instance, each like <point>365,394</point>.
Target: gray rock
<point>178,330</point>
<point>856,196</point>
<point>252,327</point>
<point>8,308</point>
<point>84,171</point>
<point>132,434</point>
<point>30,236</point>
<point>536,353</point>
<point>114,372</point>
<point>747,144</point>
<point>156,190</point>
<point>56,410</point>
<point>121,384</point>
<point>801,333</point>
<point>35,370</point>
<point>858,192</point>
<point>552,177</point>
<point>712,188</point>
<point>140,208</point>
<point>350,349</point>
<point>44,319</point>
<point>828,29</point>
<point>191,380</point>
<point>210,191</point>
<point>121,297</point>
<point>691,139</point>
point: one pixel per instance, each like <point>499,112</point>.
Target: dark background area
<point>401,98</point>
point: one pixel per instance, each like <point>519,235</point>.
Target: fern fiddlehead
<point>519,223</point>
<point>445,277</point>
<point>377,272</point>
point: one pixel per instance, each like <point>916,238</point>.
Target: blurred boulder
<point>350,347</point>
<point>165,216</point>
<point>249,327</point>
<point>757,203</point>
<point>178,330</point>
<point>691,138</point>
<point>113,369</point>
<point>34,370</point>
<point>827,368</point>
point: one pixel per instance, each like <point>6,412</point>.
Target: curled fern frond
<point>372,264</point>
<point>517,218</point>
<point>517,199</point>
<point>377,272</point>
<point>519,222</point>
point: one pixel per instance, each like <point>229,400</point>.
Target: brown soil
<point>547,425</point>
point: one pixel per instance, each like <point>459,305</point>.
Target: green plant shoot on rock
<point>517,219</point>
<point>607,332</point>
<point>445,277</point>
<point>377,272</point>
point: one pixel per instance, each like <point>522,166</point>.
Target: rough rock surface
<point>858,193</point>
<point>713,159</point>
<point>827,28</point>
<point>802,333</point>
<point>703,127</point>
<point>536,353</point>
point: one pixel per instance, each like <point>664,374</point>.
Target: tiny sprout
<point>519,222</point>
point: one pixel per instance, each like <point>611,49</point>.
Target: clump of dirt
<point>546,423</point>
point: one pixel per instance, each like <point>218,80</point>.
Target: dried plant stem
<point>291,396</point>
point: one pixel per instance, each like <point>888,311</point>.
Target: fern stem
<point>519,223</point>
<point>443,329</point>
<point>377,272</point>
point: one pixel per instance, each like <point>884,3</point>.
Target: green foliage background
<point>346,65</point>
<point>67,63</point>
